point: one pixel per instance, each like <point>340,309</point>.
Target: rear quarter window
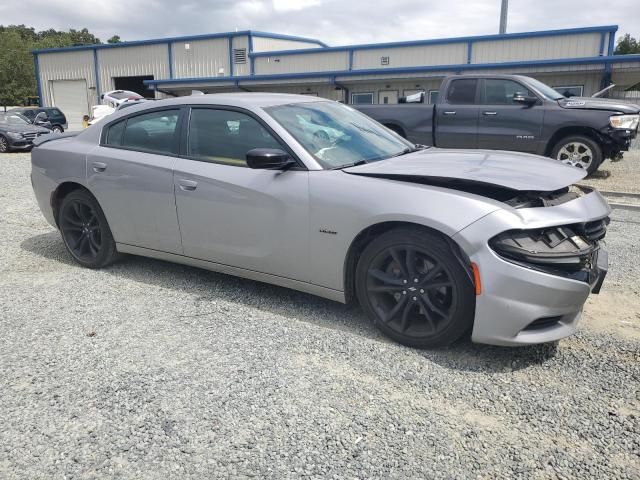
<point>462,91</point>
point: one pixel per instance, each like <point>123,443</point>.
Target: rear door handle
<point>99,167</point>
<point>490,113</point>
<point>449,113</point>
<point>187,185</point>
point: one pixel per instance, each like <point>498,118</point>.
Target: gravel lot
<point>621,176</point>
<point>149,370</point>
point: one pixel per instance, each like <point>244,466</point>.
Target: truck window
<point>501,91</point>
<point>462,91</point>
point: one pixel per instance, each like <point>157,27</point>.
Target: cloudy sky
<point>334,21</point>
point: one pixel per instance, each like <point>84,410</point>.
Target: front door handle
<point>187,185</point>
<point>99,167</point>
<point>490,113</point>
<point>449,113</point>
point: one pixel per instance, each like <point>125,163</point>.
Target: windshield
<point>543,89</point>
<point>337,135</point>
<point>13,119</point>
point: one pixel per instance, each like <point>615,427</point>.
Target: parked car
<point>514,112</point>
<point>53,115</point>
<point>432,243</point>
<point>17,132</point>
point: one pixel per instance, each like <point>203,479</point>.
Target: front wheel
<point>4,144</point>
<point>414,289</point>
<point>578,151</point>
<point>85,231</point>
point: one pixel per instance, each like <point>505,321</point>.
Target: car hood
<point>450,168</point>
<point>23,128</point>
<point>590,103</point>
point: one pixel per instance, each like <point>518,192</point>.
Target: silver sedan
<point>432,243</point>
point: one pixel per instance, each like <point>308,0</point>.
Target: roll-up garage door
<point>70,96</point>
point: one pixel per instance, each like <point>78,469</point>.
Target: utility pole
<point>503,16</point>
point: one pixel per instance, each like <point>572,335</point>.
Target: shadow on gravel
<point>212,286</point>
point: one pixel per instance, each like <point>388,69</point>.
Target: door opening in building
<point>134,84</point>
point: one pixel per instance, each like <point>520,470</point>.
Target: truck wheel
<point>396,129</point>
<point>578,151</point>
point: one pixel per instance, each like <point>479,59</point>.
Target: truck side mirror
<point>520,97</point>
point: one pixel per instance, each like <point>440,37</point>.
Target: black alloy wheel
<point>415,289</point>
<point>85,231</point>
<point>4,144</point>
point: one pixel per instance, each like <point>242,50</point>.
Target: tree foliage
<point>114,39</point>
<point>17,71</point>
<point>627,45</point>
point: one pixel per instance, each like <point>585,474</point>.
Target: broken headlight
<point>564,248</point>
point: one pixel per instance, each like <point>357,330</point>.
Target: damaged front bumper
<point>537,268</point>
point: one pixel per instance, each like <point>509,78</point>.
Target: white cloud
<point>293,5</point>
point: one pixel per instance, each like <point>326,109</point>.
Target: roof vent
<point>239,55</point>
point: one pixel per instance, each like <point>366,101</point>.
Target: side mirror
<point>269,159</point>
<point>520,97</point>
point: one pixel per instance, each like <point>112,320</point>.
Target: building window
<point>239,56</point>
<point>384,60</point>
<point>433,96</point>
<point>363,98</point>
<point>570,90</point>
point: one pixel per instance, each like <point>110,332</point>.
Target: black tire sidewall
<point>595,148</point>
<point>439,249</point>
<point>107,253</point>
<point>57,128</point>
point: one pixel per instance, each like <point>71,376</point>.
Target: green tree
<point>627,45</point>
<point>114,39</point>
<point>17,75</point>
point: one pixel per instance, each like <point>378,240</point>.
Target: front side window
<point>225,136</point>
<point>152,132</point>
<point>337,135</point>
<point>501,92</point>
<point>462,91</point>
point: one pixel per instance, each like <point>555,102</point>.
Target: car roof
<point>241,99</point>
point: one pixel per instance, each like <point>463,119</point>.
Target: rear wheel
<point>57,129</point>
<point>578,151</point>
<point>414,289</point>
<point>85,231</point>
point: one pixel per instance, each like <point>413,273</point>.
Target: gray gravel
<point>149,370</point>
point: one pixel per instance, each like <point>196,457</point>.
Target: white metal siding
<point>241,69</point>
<point>70,96</point>
<point>202,58</point>
<point>537,48</point>
<point>450,54</point>
<point>262,44</point>
<point>132,61</point>
<point>76,65</point>
<point>299,63</point>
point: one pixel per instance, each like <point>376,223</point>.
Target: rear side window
<point>114,133</point>
<point>55,111</point>
<point>501,91</point>
<point>462,91</point>
<point>152,132</point>
<point>225,136</point>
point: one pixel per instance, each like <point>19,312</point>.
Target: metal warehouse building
<point>577,60</point>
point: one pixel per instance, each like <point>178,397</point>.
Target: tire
<point>4,144</point>
<point>85,231</point>
<point>396,129</point>
<point>415,290</point>
<point>57,129</point>
<point>578,151</point>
